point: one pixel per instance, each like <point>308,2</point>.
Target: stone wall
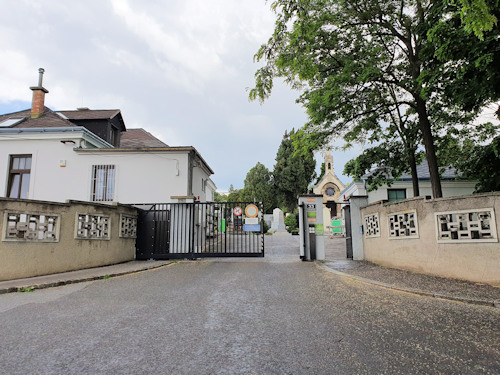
<point>450,237</point>
<point>40,238</point>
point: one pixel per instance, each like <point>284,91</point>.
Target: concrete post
<point>356,203</point>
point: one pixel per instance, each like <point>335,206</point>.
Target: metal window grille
<point>103,183</point>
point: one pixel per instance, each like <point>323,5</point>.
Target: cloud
<point>177,68</point>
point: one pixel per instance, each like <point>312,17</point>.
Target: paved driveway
<point>275,315</point>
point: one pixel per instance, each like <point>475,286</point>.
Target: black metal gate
<point>196,230</point>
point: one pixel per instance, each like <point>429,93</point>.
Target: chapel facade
<point>329,187</point>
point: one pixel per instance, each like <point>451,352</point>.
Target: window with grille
<point>103,183</point>
<point>19,176</point>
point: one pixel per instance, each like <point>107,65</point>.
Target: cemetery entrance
<point>197,230</point>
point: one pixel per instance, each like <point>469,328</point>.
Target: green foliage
<point>220,197</point>
<point>481,163</point>
<point>265,226</point>
<point>27,289</point>
<point>476,16</point>
<point>291,223</point>
<point>234,195</point>
<point>292,173</point>
<point>259,187</point>
<point>384,72</point>
<point>463,69</point>
<point>385,162</point>
<point>321,174</point>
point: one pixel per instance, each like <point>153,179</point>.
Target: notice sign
<point>251,210</point>
<point>251,221</point>
<point>311,212</point>
<point>251,228</point>
<point>237,211</point>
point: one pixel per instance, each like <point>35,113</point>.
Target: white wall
<point>449,188</point>
<point>141,177</point>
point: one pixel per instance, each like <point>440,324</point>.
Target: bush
<point>266,227</point>
<point>291,223</point>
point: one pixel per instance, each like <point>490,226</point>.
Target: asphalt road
<point>275,315</point>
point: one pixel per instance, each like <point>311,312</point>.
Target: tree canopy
<point>259,187</point>
<point>292,173</point>
<point>359,65</point>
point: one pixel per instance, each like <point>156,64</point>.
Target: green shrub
<point>291,223</point>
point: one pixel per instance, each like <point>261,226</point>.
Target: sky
<point>178,68</point>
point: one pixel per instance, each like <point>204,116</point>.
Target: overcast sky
<point>177,68</point>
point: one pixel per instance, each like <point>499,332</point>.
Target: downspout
<point>190,173</point>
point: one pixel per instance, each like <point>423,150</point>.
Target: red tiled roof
<point>135,138</point>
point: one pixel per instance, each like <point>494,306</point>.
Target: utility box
<point>311,228</point>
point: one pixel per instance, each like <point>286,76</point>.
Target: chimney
<point>39,92</point>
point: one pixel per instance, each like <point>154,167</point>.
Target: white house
<point>89,155</point>
<point>402,188</point>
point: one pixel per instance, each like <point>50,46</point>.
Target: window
<point>19,176</point>
<point>103,183</point>
<point>11,122</point>
<point>394,195</point>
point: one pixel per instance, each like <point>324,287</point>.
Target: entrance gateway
<point>196,230</point>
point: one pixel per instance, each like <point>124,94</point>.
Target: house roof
<point>137,138</point>
<point>91,114</point>
<point>48,119</point>
<point>449,173</point>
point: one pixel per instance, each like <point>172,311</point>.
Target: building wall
<point>474,260</point>
<point>59,172</point>
<point>449,188</point>
<point>142,177</point>
<point>23,257</point>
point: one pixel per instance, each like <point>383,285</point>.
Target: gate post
<point>356,203</point>
<point>311,224</point>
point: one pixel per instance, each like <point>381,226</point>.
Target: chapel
<point>329,187</point>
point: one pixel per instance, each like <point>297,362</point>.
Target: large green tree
<point>357,62</point>
<point>292,173</point>
<point>259,187</point>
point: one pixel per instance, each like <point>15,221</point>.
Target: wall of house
<point>40,238</point>
<point>59,172</point>
<point>450,189</point>
<point>141,177</point>
<point>48,179</point>
<point>409,235</point>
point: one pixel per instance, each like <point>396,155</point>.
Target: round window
<point>330,191</point>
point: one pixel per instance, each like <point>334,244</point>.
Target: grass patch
<point>27,290</point>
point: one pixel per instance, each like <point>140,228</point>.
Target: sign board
<point>251,210</point>
<point>251,221</point>
<point>237,211</point>
<point>251,228</point>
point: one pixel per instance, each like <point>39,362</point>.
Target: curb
<point>53,284</point>
<point>473,301</point>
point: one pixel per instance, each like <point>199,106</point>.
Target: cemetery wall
<point>453,237</point>
<point>40,238</point>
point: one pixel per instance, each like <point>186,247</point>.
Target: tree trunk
<point>430,151</point>
<point>414,176</point>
